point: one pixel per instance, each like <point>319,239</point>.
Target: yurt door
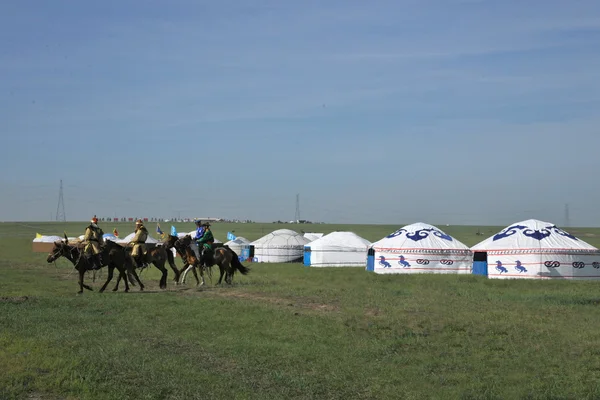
<point>480,265</point>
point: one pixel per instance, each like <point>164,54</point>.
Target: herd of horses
<point>114,256</point>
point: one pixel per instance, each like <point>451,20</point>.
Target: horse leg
<point>229,273</point>
<point>163,279</point>
<point>171,262</point>
<point>81,273</point>
<point>81,284</point>
<point>221,273</point>
<point>137,278</point>
<point>121,276</point>
<point>201,269</point>
<point>189,267</point>
<point>111,269</point>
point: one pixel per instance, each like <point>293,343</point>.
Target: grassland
<point>290,332</point>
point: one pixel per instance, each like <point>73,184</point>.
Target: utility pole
<point>60,208</point>
<point>297,215</point>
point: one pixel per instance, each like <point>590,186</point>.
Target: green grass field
<point>290,332</point>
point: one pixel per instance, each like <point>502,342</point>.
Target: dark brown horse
<point>188,256</point>
<point>221,255</point>
<point>158,255</point>
<point>112,255</point>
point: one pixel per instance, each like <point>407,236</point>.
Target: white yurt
<point>337,249</point>
<point>419,248</point>
<point>111,237</point>
<point>130,237</point>
<point>534,249</point>
<point>237,244</point>
<point>283,245</point>
<point>313,236</point>
<point>48,239</point>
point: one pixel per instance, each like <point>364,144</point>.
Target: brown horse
<point>188,256</point>
<point>112,255</point>
<point>221,255</point>
<point>158,255</point>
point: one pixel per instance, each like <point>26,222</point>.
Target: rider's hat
<point>139,222</point>
<point>206,223</point>
<point>94,220</point>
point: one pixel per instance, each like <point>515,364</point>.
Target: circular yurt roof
<point>340,240</point>
<point>49,239</point>
<point>111,237</point>
<point>532,234</point>
<point>282,238</point>
<point>417,237</point>
<point>313,235</point>
<point>239,241</point>
<point>129,238</point>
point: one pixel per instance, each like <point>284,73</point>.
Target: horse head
<point>59,250</point>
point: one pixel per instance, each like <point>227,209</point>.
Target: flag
<point>231,236</point>
<point>115,232</point>
<point>173,231</point>
<point>38,236</point>
<point>161,233</point>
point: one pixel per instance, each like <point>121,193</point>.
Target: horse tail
<point>235,262</point>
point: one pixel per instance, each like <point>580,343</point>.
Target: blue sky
<point>391,111</point>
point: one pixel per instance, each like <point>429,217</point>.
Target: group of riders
<point>93,240</point>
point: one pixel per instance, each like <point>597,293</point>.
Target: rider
<point>94,241</point>
<point>139,248</point>
<point>206,241</point>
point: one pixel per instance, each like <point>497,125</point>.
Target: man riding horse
<point>204,242</point>
<point>93,240</point>
<point>139,244</point>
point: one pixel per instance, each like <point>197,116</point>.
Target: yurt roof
<point>282,237</point>
<point>419,236</point>
<point>130,237</point>
<point>240,241</point>
<point>340,240</point>
<point>313,235</point>
<point>533,234</point>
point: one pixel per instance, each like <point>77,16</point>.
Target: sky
<point>474,112</point>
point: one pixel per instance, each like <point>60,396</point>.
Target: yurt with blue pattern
<point>419,248</point>
<point>534,249</point>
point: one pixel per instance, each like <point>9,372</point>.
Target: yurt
<point>237,244</point>
<point>111,237</point>
<point>313,236</point>
<point>48,239</point>
<point>283,245</point>
<point>419,248</point>
<point>534,249</point>
<point>130,237</point>
<point>337,249</point>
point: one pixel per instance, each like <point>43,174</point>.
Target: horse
<point>188,256</point>
<point>112,256</point>
<point>157,255</point>
<point>223,256</point>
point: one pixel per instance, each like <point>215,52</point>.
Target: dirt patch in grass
<point>297,302</point>
<point>19,299</point>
